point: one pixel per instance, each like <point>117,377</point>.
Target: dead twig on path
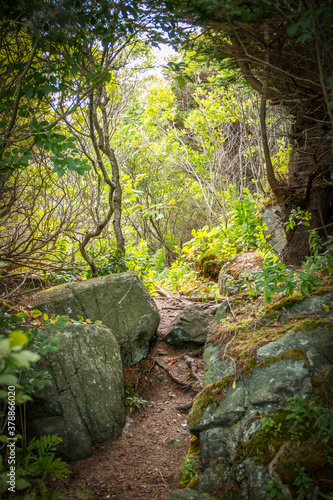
<point>162,292</point>
<point>186,407</point>
<point>171,375</point>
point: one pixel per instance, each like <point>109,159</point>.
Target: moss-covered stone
<point>210,395</point>
<point>246,338</point>
<point>264,444</point>
<point>295,354</point>
<point>310,325</point>
<point>325,286</point>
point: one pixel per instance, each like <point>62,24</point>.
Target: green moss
<point>212,394</point>
<point>194,447</point>
<point>325,286</point>
<point>193,484</point>
<point>264,445</point>
<point>249,365</point>
<point>261,448</point>
<point>311,456</point>
<point>284,303</point>
<point>295,354</point>
<point>242,297</point>
<point>310,325</point>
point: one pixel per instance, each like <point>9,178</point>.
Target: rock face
<point>120,301</point>
<point>226,415</point>
<point>85,404</point>
<point>272,218</point>
<point>190,328</point>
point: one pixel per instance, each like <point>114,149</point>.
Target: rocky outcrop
<point>295,360</point>
<point>120,301</point>
<point>85,404</point>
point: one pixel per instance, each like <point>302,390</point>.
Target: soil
<point>145,461</point>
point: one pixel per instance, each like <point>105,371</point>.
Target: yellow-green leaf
<point>17,338</point>
<point>36,313</point>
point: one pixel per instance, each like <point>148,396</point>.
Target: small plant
<point>274,489</point>
<point>297,217</point>
<point>275,277</point>
<point>269,425</point>
<point>133,402</point>
<point>38,460</point>
<point>188,470</point>
<point>176,440</point>
<point>304,483</point>
<point>171,394</point>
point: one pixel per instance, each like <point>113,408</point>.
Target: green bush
<point>22,343</point>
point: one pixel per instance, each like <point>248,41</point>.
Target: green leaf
<point>17,338</point>
<point>181,81</point>
<point>4,346</point>
<point>8,379</point>
<point>28,90</point>
<point>24,358</point>
<point>21,483</point>
<point>61,321</point>
<point>36,313</point>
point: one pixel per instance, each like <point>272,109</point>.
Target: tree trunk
<point>310,185</point>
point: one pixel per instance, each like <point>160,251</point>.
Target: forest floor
<point>144,462</point>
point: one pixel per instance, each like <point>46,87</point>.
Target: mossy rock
<point>288,303</point>
<point>211,395</point>
<point>295,354</point>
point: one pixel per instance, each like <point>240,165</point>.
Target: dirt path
<point>144,462</point>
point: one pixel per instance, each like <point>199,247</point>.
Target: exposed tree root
<point>171,375</point>
<point>271,466</point>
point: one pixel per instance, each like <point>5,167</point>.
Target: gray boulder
<point>266,390</point>
<point>315,339</point>
<point>190,328</point>
<point>215,368</point>
<point>275,228</point>
<point>85,404</point>
<point>120,301</point>
<point>311,305</point>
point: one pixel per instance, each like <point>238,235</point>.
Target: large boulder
<point>85,404</point>
<point>120,301</point>
<point>190,328</point>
